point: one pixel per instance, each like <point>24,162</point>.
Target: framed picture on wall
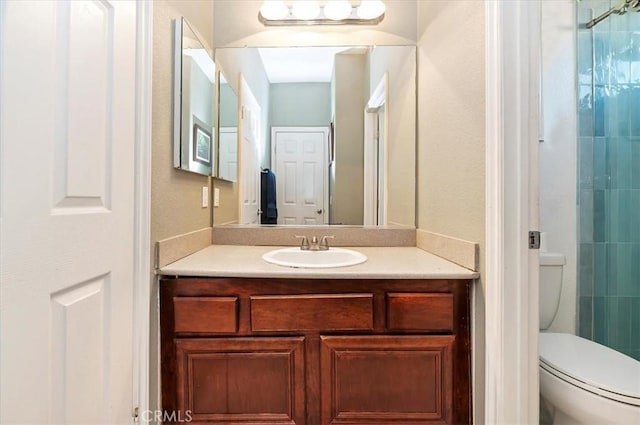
<point>201,145</point>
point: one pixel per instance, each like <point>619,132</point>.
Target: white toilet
<point>581,382</point>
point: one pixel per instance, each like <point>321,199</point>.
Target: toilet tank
<point>551,265</point>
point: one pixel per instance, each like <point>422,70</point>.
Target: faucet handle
<point>324,241</point>
<point>305,242</point>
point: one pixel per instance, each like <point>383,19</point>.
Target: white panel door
<point>299,157</point>
<point>250,134</point>
<point>228,151</point>
<point>67,134</point>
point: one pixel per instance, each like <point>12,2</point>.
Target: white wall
<point>558,152</point>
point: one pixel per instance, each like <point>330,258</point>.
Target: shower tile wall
<point>609,178</point>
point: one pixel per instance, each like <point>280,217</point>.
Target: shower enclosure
<point>609,176</point>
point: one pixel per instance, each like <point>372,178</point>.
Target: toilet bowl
<point>587,383</point>
<point>581,382</point>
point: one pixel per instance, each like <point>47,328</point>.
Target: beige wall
<point>399,62</point>
<point>175,194</point>
<point>351,83</point>
<point>228,210</point>
<point>451,138</point>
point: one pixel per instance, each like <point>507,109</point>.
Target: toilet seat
<point>580,362</point>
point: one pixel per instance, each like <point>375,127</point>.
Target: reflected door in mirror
<point>299,157</point>
<point>228,153</point>
<point>250,157</point>
<point>228,134</point>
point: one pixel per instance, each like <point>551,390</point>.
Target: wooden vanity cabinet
<point>316,351</point>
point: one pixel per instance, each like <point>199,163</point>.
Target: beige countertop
<point>382,263</point>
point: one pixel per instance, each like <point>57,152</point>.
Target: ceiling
<point>203,60</point>
<point>299,64</point>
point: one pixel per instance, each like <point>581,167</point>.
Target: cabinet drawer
<point>312,312</point>
<point>419,312</point>
<point>206,314</point>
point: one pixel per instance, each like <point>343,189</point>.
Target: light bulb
<point>305,9</point>
<point>371,9</point>
<point>337,9</point>
<point>274,9</point>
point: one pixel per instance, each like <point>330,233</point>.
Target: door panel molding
<point>75,358</point>
<point>292,170</point>
<point>70,277</point>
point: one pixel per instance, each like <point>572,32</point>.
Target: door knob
<point>319,211</point>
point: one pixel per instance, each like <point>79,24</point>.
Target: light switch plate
<point>205,196</point>
<point>216,197</point>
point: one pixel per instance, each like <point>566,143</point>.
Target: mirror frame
<point>179,26</point>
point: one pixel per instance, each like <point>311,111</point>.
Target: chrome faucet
<point>314,245</point>
<point>324,242</point>
<point>304,245</point>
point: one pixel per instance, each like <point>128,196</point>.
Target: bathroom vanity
<point>387,341</point>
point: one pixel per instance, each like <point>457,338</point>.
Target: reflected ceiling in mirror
<point>194,85</point>
<point>335,159</point>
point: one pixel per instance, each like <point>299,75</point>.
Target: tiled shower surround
<point>609,178</point>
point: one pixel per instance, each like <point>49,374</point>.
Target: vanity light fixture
<point>312,12</point>
<point>305,9</point>
<point>337,9</point>
<point>371,9</point>
<point>274,10</point>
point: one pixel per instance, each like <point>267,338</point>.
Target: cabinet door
<point>386,379</point>
<point>241,380</point>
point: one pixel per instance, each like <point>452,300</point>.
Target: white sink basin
<point>295,257</point>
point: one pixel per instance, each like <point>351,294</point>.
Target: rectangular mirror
<point>194,84</point>
<point>337,134</point>
<point>228,133</point>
